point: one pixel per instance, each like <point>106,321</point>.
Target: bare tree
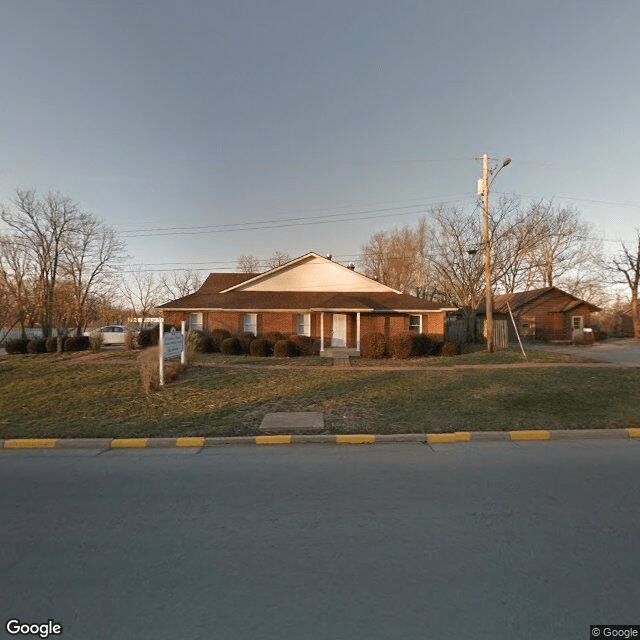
<point>458,268</point>
<point>180,283</point>
<point>399,259</point>
<point>91,256</point>
<point>17,288</point>
<point>277,259</point>
<point>141,293</point>
<point>564,246</point>
<point>42,227</point>
<point>249,264</point>
<point>627,267</point>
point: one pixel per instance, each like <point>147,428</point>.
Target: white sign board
<point>173,344</point>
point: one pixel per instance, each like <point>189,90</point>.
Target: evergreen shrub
<point>77,343</point>
<point>372,345</point>
<point>216,336</point>
<point>260,348</point>
<point>37,345</point>
<point>306,345</point>
<point>19,345</point>
<point>284,349</point>
<point>451,349</point>
<point>401,345</point>
<point>231,347</point>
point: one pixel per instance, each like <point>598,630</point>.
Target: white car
<point>111,334</point>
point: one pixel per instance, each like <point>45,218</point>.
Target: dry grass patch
<point>40,398</point>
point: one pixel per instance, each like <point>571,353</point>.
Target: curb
<point>106,444</point>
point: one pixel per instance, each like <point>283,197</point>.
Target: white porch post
<point>321,331</point>
<point>358,331</point>
<point>183,355</point>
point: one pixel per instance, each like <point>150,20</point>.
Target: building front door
<point>339,330</point>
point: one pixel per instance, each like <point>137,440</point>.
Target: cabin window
<point>195,322</point>
<point>251,323</point>
<point>303,324</point>
<point>415,324</point>
<point>577,322</point>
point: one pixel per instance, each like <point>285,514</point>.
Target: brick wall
<point>286,323</point>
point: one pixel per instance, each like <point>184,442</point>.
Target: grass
<point>68,396</point>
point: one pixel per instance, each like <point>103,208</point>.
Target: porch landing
<point>339,352</point>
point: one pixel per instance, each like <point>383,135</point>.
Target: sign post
<point>171,346</point>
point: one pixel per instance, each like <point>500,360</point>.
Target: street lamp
<point>484,185</point>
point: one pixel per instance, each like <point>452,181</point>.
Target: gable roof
<point>501,303</point>
<point>307,283</point>
<point>311,272</point>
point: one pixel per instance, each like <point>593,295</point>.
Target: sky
<point>203,130</point>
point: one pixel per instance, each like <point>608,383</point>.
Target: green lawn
<point>50,396</point>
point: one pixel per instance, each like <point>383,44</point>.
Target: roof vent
<point>351,266</point>
<point>329,256</point>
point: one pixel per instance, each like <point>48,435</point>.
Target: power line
<point>279,223</point>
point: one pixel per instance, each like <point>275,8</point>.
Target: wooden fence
<point>461,330</point>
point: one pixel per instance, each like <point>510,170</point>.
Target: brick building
<point>548,313</point>
<point>311,296</point>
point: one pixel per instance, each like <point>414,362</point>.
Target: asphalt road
<point>478,540</point>
<point>622,352</point>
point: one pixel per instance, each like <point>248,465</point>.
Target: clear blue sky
<point>195,113</point>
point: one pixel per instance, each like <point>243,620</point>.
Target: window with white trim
<point>415,324</point>
<point>251,323</point>
<point>577,323</point>
<point>303,324</point>
<point>195,322</point>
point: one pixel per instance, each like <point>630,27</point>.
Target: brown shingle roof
<point>301,300</point>
<point>523,298</point>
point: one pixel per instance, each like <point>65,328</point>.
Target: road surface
<point>471,540</point>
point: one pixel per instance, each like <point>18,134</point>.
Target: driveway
<point>625,352</point>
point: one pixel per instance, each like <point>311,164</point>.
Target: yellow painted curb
<point>274,439</point>
<point>530,435</point>
<point>190,442</point>
<point>129,443</point>
<point>439,438</point>
<point>634,433</point>
<point>363,438</point>
<point>30,443</point>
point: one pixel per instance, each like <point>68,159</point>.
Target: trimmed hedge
<point>306,345</point>
<point>451,349</point>
<point>198,341</point>
<point>19,345</point>
<point>272,337</point>
<point>37,345</point>
<point>151,337</point>
<point>401,345</point>
<point>77,343</point>
<point>231,347</point>
<point>423,345</point>
<point>260,348</point>
<point>372,345</point>
<point>216,336</point>
<point>246,338</point>
<point>284,349</point>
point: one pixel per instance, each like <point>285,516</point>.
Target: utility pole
<point>483,189</point>
<point>488,305</point>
